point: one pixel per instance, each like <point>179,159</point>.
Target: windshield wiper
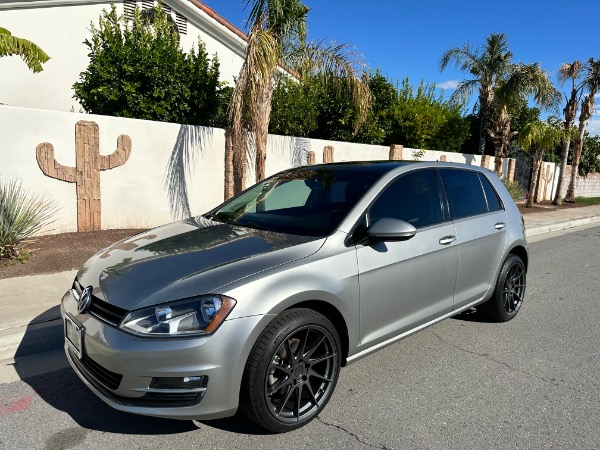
<point>253,225</point>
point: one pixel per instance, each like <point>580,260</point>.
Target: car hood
<point>187,258</point>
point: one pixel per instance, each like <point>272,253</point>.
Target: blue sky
<point>406,38</point>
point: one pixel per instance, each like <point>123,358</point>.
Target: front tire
<point>292,371</point>
<point>509,292</point>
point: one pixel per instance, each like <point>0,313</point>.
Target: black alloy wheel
<point>509,293</point>
<point>514,288</point>
<point>292,371</point>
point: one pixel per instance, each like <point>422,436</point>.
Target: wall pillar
<point>396,152</point>
<point>512,167</point>
<point>328,154</point>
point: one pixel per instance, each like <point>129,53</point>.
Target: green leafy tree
<point>590,156</point>
<point>30,53</point>
<point>293,108</point>
<point>137,69</point>
<point>421,119</point>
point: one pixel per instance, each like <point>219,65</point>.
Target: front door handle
<point>499,225</point>
<point>447,240</point>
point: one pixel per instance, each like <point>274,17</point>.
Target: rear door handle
<point>499,225</point>
<point>447,240</point>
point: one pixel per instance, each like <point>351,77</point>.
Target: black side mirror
<point>387,229</point>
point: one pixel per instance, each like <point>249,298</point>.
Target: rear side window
<point>490,194</point>
<point>465,193</point>
<point>414,198</point>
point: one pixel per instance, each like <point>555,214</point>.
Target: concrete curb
<point>561,226</point>
<point>29,339</point>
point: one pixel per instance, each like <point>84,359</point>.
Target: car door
<point>404,284</point>
<point>480,222</point>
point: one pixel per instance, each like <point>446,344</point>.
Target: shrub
<point>514,189</point>
<point>137,69</point>
<point>21,216</point>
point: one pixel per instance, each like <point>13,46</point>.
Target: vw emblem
<point>83,303</point>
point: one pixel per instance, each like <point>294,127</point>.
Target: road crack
<point>502,363</point>
<point>350,433</point>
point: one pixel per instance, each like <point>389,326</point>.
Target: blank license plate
<point>74,335</point>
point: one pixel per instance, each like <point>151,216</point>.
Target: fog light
<point>191,382</point>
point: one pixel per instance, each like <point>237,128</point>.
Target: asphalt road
<point>464,383</point>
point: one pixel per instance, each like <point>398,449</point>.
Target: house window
<point>147,4</point>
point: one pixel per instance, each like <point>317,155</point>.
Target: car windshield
<point>307,201</point>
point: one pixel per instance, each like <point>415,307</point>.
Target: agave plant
<point>21,216</point>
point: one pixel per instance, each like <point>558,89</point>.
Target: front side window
<point>306,202</point>
<point>414,198</point>
<point>465,193</point>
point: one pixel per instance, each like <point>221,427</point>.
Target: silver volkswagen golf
<point>257,304</point>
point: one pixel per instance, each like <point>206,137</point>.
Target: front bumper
<point>119,367</point>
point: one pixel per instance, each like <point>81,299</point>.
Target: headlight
<point>191,317</point>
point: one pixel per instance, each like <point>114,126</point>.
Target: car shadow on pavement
<point>473,315</point>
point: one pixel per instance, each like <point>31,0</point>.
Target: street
<point>463,383</point>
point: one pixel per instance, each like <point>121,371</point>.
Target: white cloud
<point>593,126</point>
<point>449,85</point>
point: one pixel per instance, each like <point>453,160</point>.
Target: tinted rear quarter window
<point>465,193</point>
<point>490,194</point>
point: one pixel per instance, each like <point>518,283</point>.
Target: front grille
<point>111,314</point>
<point>99,374</point>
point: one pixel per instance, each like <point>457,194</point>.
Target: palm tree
<point>540,136</point>
<point>522,81</point>
<point>30,53</point>
<point>277,44</point>
<point>592,83</point>
<point>570,72</point>
<point>488,64</point>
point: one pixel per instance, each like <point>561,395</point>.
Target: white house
<point>59,27</point>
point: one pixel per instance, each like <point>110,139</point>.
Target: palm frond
<point>464,91</point>
<point>30,53</point>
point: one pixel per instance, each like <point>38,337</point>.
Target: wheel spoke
<point>314,347</point>
<point>298,400</point>
<point>290,353</point>
<point>285,399</point>
<point>301,352</point>
<point>312,373</point>
<point>321,359</point>
<point>313,398</point>
<point>285,369</point>
<point>278,385</point>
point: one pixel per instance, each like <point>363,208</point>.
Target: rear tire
<point>507,299</point>
<point>292,371</point>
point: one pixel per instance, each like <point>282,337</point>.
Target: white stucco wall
<point>60,27</point>
<point>133,195</point>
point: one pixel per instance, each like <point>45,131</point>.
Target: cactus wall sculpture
<point>86,173</point>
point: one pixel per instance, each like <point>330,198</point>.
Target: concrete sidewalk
<point>31,321</point>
